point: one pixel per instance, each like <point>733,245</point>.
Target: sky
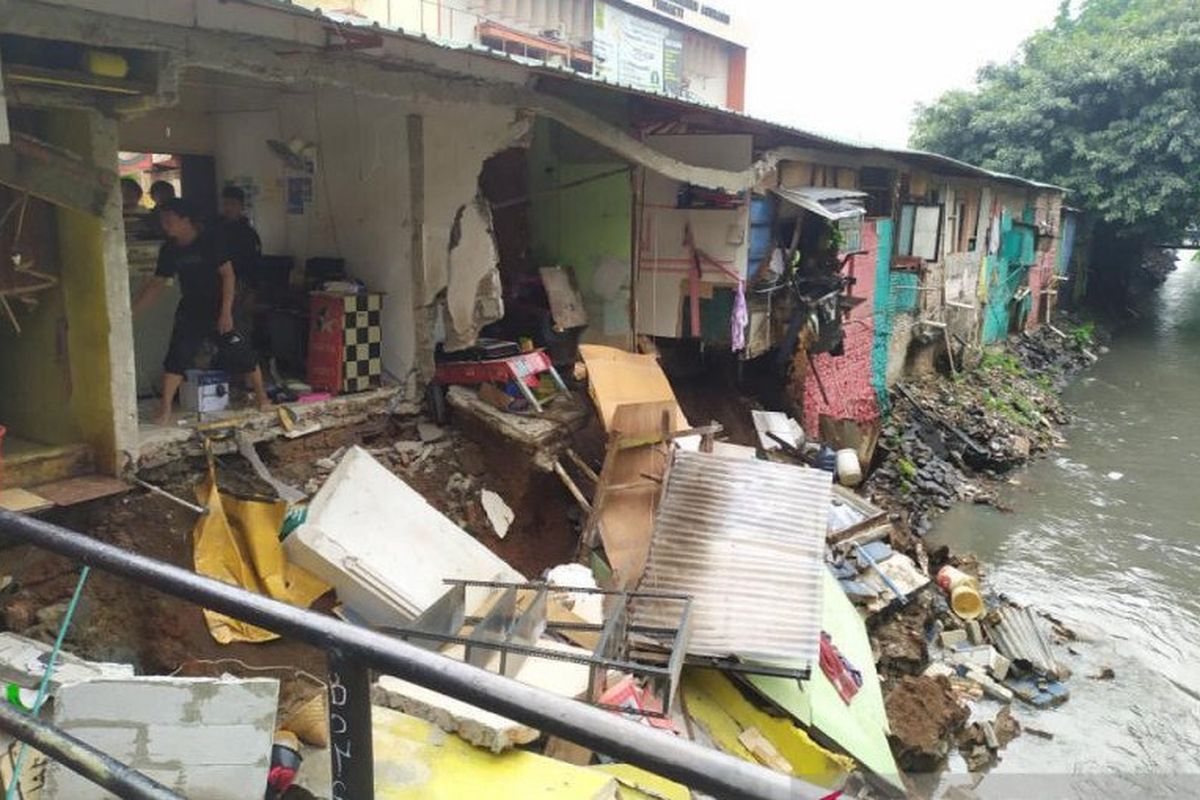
<point>856,68</point>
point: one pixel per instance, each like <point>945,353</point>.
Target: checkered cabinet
<point>344,341</point>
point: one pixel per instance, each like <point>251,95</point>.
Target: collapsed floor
<point>948,440</point>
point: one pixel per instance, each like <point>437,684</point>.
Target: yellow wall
<point>34,379</point>
<point>55,376</point>
<point>81,248</point>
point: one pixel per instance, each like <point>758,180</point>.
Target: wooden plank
<point>55,175</point>
<point>625,519</point>
<point>71,491</point>
<point>23,500</point>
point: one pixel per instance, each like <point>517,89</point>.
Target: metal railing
<point>353,651</point>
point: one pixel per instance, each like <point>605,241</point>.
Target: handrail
<point>359,648</point>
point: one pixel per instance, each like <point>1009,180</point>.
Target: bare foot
<point>265,404</point>
<point>163,419</point>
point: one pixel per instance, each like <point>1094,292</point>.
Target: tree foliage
<point>1106,104</point>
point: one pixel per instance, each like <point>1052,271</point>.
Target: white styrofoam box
<point>382,547</point>
<point>202,737</point>
<point>204,391</point>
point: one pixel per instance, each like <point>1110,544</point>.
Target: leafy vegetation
<point>1103,103</point>
<point>1084,335</point>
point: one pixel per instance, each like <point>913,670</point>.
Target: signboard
<point>707,16</point>
<point>636,52</point>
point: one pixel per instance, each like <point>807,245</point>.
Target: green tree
<point>1106,104</point>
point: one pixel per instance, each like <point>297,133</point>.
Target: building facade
<point>443,178</point>
<point>692,50</point>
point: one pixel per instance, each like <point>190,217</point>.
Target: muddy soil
<point>119,620</point>
<point>924,713</point>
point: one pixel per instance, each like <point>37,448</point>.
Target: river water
<point>1106,536</point>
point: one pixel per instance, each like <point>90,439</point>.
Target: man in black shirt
<point>245,250</point>
<point>201,263</point>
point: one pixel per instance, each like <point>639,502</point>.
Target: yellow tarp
<point>416,759</point>
<point>237,542</point>
<point>713,702</point>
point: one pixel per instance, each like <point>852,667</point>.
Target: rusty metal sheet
<point>747,540</point>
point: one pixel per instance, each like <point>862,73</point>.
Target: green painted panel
<point>584,222</point>
<point>861,727</point>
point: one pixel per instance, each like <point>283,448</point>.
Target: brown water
<point>1106,536</point>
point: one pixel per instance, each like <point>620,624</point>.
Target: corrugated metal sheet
<point>1018,636</point>
<point>832,204</point>
<point>746,539</point>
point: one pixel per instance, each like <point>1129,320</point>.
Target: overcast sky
<point>856,68</point>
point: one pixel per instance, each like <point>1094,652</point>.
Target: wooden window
<point>920,231</point>
<point>877,183</point>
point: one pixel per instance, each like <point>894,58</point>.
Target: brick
<point>204,737</point>
<point>208,744</point>
<point>119,742</point>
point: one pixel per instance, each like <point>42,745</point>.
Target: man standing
<point>245,250</point>
<point>201,263</point>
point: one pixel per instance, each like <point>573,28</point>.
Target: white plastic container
<point>849,471</point>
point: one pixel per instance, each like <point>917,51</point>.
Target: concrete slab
<point>159,444</point>
<point>550,431</point>
<point>203,737</point>
<point>480,727</point>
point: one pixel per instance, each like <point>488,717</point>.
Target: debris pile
<point>733,595</point>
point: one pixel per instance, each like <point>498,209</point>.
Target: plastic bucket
<point>965,597</point>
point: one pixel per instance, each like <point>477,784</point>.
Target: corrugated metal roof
<point>932,161</point>
<point>832,204</point>
<point>746,539</point>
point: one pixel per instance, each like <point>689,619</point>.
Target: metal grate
<point>746,539</point>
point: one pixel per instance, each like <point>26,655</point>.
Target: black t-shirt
<point>196,267</point>
<point>244,247</point>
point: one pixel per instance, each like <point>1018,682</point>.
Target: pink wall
<point>1039,279</point>
<point>847,378</point>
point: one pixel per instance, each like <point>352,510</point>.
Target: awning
<point>830,203</point>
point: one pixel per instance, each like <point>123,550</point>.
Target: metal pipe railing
<point>700,768</point>
<point>99,768</point>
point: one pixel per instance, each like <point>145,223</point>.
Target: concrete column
<point>95,284</point>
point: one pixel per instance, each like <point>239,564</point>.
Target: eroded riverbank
<point>1104,535</point>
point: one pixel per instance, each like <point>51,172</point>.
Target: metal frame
<point>700,768</point>
<point>511,629</point>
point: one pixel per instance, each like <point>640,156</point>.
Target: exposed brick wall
<point>847,378</point>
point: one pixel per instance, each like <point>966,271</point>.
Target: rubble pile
<point>948,439</point>
<point>907,659</point>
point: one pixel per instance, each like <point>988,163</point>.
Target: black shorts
<point>234,353</point>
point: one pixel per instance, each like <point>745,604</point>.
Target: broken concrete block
<point>480,727</point>
<point>429,432</point>
<point>953,637</point>
<point>498,512</point>
<point>23,662</point>
<point>203,737</point>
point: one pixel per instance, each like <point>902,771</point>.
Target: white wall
<point>361,209</point>
<point>706,69</point>
<point>722,234</point>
